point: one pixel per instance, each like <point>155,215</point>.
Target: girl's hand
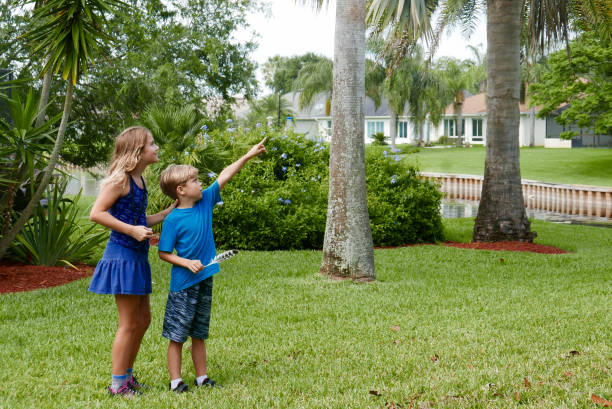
<point>140,233</point>
<point>194,265</point>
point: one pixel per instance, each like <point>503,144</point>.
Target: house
<point>316,120</point>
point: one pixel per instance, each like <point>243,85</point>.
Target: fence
<point>569,199</point>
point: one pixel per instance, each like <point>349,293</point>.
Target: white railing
<point>569,199</point>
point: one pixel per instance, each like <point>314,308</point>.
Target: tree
<point>68,31</point>
<point>347,247</point>
<point>280,73</point>
<point>501,214</point>
<point>184,53</point>
<point>262,108</point>
<point>582,86</point>
<point>458,78</point>
<point>313,78</point>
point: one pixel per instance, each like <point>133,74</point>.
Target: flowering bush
<point>279,199</point>
<point>403,209</point>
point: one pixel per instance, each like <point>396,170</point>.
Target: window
<point>450,127</point>
<point>402,129</point>
<point>476,127</point>
<point>375,126</point>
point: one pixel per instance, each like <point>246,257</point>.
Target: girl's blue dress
<point>124,267</point>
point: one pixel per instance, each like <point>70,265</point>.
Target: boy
<point>188,229</point>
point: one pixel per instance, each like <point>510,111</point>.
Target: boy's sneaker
<point>180,388</point>
<point>134,384</point>
<point>125,390</point>
<point>208,383</point>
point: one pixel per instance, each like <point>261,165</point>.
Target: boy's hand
<point>194,266</point>
<point>257,149</point>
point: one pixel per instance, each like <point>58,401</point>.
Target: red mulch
<point>508,246</point>
<point>25,277</point>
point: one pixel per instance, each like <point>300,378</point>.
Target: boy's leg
<point>175,350</point>
<point>198,355</point>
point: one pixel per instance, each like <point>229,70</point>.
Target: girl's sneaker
<point>135,385</point>
<point>125,390</point>
<point>180,388</point>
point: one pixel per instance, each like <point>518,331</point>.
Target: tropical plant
<point>68,32</point>
<point>56,234</point>
<point>313,78</point>
<point>261,109</point>
<point>23,153</point>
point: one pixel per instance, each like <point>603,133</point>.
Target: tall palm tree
<point>67,31</point>
<point>501,214</point>
<point>348,250</point>
<point>458,79</point>
<point>313,78</point>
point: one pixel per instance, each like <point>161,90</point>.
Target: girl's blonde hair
<point>128,148</point>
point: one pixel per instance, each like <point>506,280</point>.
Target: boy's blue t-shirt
<point>189,231</point>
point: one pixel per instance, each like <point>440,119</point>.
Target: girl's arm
<point>159,217</point>
<point>229,172</point>
<point>99,214</point>
<point>192,265</point>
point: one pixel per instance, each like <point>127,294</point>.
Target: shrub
<point>279,200</point>
<point>54,234</point>
<point>403,209</point>
<point>379,139</point>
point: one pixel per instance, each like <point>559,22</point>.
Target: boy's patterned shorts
<point>188,312</point>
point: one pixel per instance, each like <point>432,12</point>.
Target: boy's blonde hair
<point>174,176</point>
<point>128,148</point>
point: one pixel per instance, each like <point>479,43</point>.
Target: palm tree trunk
<point>6,240</point>
<point>347,247</point>
<point>459,112</point>
<point>44,97</point>
<point>532,127</point>
<point>501,214</point>
<point>392,126</point>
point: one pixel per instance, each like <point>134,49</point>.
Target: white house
<point>316,120</point>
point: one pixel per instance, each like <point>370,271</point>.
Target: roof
<point>477,104</point>
<point>317,107</point>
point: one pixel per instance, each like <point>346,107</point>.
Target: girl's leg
<point>143,319</point>
<point>198,355</point>
<point>175,350</point>
<point>127,328</point>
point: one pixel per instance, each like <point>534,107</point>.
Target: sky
<point>291,29</point>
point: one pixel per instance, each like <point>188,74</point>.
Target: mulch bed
<point>25,277</point>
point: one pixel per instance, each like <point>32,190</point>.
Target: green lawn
<point>443,327</point>
<point>584,166</point>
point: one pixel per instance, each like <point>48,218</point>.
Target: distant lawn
<point>584,166</point>
<point>440,328</point>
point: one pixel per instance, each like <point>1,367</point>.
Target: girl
<point>124,268</point>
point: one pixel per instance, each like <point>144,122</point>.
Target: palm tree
<point>348,250</point>
<point>313,78</point>
<point>501,214</point>
<point>458,79</point>
<point>67,31</point>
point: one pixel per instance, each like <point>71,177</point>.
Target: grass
<point>584,166</point>
<point>443,327</point>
